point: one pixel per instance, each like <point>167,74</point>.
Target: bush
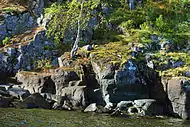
<point>6,41</point>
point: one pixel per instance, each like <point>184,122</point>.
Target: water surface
<point>59,118</point>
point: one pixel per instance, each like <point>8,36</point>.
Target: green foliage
<point>129,24</point>
<point>6,41</point>
<point>66,15</point>
<point>44,64</point>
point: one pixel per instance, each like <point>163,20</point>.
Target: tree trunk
<point>75,46</point>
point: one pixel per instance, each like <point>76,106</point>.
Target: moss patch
<point>163,62</point>
<point>111,53</point>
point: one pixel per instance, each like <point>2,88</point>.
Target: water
<point>52,118</point>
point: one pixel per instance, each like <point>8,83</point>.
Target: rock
<point>4,93</point>
<point>4,87</point>
<point>124,105</point>
<point>177,64</point>
<point>5,102</point>
<point>18,92</point>
<point>150,64</point>
<point>49,96</point>
<point>147,107</point>
<point>25,57</point>
<point>36,100</point>
<point>76,83</point>
<point>91,108</point>
<point>3,31</point>
<point>87,47</point>
<point>75,95</point>
<point>36,82</point>
<point>109,105</point>
<point>142,102</point>
<point>37,7</point>
<point>62,78</point>
<point>133,110</point>
<point>186,74</point>
<point>179,95</point>
<point>15,23</point>
<point>55,62</point>
<point>119,83</point>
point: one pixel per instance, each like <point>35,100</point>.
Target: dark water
<point>52,118</point>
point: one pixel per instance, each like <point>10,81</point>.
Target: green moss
<point>111,53</point>
<point>161,60</point>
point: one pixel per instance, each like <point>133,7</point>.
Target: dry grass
<point>23,39</point>
<point>18,5</point>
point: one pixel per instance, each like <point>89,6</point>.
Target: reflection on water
<point>52,118</point>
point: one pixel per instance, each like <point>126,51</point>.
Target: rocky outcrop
<point>25,56</point>
<point>119,84</point>
<point>178,90</point>
<point>46,82</point>
<point>15,23</point>
<point>33,101</point>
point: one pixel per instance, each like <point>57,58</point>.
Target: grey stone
<point>5,102</point>
<point>3,31</point>
<point>142,102</point>
<point>18,92</point>
<point>10,51</point>
<point>87,47</point>
<point>11,23</point>
<point>133,110</point>
<point>75,95</point>
<point>4,93</point>
<point>91,108</point>
<point>4,87</point>
<point>36,100</point>
<point>179,93</point>
<point>124,105</point>
<point>150,64</point>
<point>55,62</point>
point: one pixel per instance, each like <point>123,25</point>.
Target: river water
<point>59,118</point>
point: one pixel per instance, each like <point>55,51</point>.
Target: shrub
<point>6,41</point>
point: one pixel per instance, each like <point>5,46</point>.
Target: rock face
<point>25,57</point>
<point>17,22</point>
<point>46,82</point>
<point>178,90</point>
<point>14,24</point>
<point>75,96</point>
<point>33,101</point>
<point>119,84</point>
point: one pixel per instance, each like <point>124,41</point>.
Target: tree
<point>70,16</point>
<point>75,46</point>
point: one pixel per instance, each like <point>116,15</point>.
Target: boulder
<point>75,95</point>
<point>146,107</point>
<point>124,105</point>
<point>5,102</point>
<point>18,92</point>
<point>87,47</point>
<point>178,90</point>
<point>36,82</point>
<point>120,83</point>
<point>61,78</point>
<point>3,90</point>
<point>91,108</point>
<point>33,101</point>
